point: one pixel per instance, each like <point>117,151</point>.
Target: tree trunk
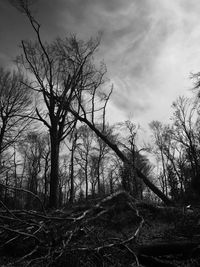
<point>111,182</point>
<point>72,193</point>
<point>6,190</point>
<point>54,177</point>
<point>71,198</point>
<point>98,175</point>
<point>45,184</point>
<point>86,179</point>
<point>15,178</point>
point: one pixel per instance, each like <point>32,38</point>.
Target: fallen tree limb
<point>26,191</point>
<point>20,233</point>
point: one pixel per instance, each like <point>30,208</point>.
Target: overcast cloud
<point>149,46</point>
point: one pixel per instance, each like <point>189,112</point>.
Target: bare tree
<point>178,146</point>
<point>34,153</point>
<point>158,130</point>
<point>101,152</point>
<point>15,107</point>
<point>186,133</point>
<point>64,71</point>
<point>84,148</point>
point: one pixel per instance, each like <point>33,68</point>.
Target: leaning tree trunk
<point>121,155</point>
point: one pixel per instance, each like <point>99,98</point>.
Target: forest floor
<point>116,231</point>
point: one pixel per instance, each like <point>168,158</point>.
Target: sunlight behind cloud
<point>149,46</point>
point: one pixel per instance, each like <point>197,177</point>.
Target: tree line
<point>176,147</point>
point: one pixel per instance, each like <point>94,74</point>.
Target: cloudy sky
<point>150,47</point>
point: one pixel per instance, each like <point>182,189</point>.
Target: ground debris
<point>116,231</point>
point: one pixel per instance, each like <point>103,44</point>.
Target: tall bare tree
<point>186,133</point>
<point>62,70</point>
<point>84,148</point>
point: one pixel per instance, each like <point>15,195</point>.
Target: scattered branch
<point>26,191</point>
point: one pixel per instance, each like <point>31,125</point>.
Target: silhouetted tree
<point>15,106</point>
<point>64,75</point>
<point>34,152</point>
<point>84,149</point>
<point>185,125</point>
<point>177,147</point>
